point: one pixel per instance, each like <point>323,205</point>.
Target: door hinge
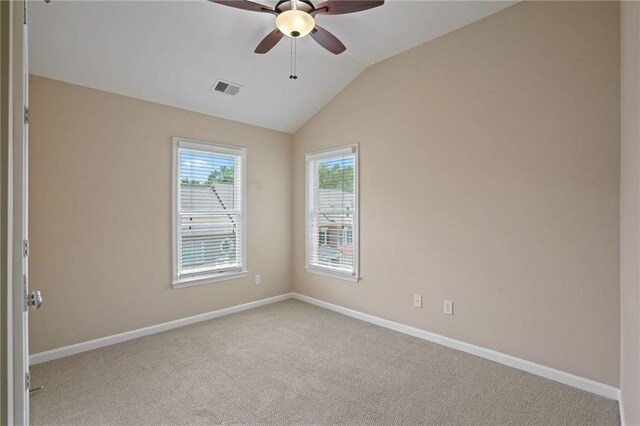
<point>24,12</point>
<point>25,289</point>
<point>27,380</point>
<point>26,115</point>
<point>25,248</point>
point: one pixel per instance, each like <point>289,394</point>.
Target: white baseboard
<point>588,385</point>
<point>134,334</point>
<point>623,419</point>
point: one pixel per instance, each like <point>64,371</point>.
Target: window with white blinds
<point>209,221</point>
<point>332,212</point>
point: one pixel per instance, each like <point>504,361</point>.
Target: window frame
<point>325,270</point>
<point>208,147</point>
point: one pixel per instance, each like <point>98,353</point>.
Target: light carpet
<point>294,363</point>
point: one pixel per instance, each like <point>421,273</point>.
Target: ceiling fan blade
<point>246,5</point>
<point>269,41</point>
<point>327,40</point>
<point>340,7</point>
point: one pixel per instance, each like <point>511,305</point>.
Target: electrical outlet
<point>257,279</point>
<point>417,301</point>
<point>448,307</point>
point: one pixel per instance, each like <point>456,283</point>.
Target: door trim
<point>6,336</point>
<point>13,183</point>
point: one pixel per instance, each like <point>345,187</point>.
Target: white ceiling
<point>171,52</point>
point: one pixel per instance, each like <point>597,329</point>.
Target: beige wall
<point>100,213</point>
<point>630,213</point>
<point>489,163</point>
<point>489,175</point>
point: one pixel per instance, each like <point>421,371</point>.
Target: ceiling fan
<point>296,18</point>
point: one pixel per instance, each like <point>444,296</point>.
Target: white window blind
<point>209,234</point>
<point>332,212</point>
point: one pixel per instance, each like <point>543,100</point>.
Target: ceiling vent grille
<point>226,87</point>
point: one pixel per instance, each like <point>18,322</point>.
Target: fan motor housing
<point>304,5</point>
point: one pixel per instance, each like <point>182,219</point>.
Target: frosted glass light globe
<point>295,23</point>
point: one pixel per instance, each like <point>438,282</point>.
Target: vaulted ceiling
<point>171,52</point>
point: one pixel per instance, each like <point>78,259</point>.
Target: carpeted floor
<point>294,363</point>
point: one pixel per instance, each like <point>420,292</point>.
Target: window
<point>346,236</point>
<point>332,212</point>
<point>323,239</point>
<point>209,223</point>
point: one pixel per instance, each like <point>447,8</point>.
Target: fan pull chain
<point>294,65</point>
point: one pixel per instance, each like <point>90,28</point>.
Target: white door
<point>19,150</point>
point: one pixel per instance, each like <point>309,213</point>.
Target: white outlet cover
<point>417,301</point>
<point>257,279</point>
<point>448,307</point>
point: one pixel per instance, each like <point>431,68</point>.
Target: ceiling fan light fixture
<point>295,23</point>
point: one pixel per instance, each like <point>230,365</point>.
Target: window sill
<point>208,279</point>
<point>332,274</point>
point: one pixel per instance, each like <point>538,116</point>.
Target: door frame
<point>14,394</point>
